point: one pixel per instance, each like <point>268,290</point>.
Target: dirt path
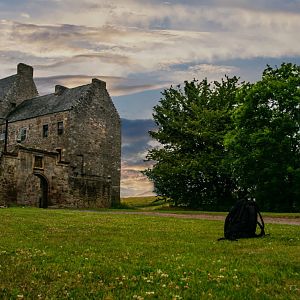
<point>289,221</point>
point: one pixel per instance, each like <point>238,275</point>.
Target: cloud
<point>118,49</point>
<point>132,89</point>
<point>136,140</point>
<point>210,71</point>
<point>116,86</point>
<point>199,15</point>
<point>135,143</point>
<point>134,183</point>
<point>25,15</point>
<point>105,56</point>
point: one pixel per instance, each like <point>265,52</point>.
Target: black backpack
<point>242,220</point>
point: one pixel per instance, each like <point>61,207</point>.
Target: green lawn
<point>62,254</point>
<point>151,203</point>
<point>144,203</point>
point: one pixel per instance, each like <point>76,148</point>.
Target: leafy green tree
<point>192,123</point>
<point>264,146</point>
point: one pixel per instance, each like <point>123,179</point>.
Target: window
<point>22,135</point>
<point>2,135</point>
<point>59,153</point>
<point>45,130</point>
<point>60,128</point>
<point>38,162</point>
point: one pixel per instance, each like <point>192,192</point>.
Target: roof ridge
<point>49,103</point>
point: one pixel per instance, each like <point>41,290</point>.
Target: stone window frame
<point>22,134</point>
<point>45,132</point>
<point>38,162</point>
<point>60,128</point>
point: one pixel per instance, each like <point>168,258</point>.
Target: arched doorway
<point>43,199</point>
<point>37,190</point>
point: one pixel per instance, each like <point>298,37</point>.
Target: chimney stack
<point>99,83</point>
<point>24,70</point>
<point>59,89</point>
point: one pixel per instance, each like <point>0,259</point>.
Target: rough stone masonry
<point>61,149</point>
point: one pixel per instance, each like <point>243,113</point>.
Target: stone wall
<point>89,192</point>
<point>8,186</point>
<point>34,133</point>
<point>24,177</point>
<point>99,134</point>
<point>24,182</point>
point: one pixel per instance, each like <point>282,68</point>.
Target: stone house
<point>61,149</point>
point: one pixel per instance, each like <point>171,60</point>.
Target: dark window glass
<point>60,128</point>
<point>45,130</point>
<point>38,162</point>
<point>22,134</point>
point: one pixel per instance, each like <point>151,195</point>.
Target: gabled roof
<point>6,84</point>
<point>64,99</point>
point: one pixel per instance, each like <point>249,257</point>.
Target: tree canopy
<point>264,146</point>
<point>225,140</point>
<point>191,124</point>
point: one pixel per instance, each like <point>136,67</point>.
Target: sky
<point>141,47</point>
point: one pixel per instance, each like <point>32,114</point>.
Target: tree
<point>191,125</point>
<point>264,146</point>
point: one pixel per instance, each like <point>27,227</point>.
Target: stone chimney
<point>98,83</point>
<point>59,89</point>
<point>25,70</point>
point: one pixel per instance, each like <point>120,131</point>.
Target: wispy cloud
<point>116,86</point>
<point>128,43</point>
<point>134,183</point>
<point>135,140</point>
<point>135,144</point>
<point>25,15</point>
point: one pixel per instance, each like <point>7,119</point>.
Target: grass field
<point>61,254</point>
<point>151,203</point>
<point>144,203</point>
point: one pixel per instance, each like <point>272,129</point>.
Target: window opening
<point>45,130</point>
<point>38,162</point>
<point>2,135</point>
<point>60,128</point>
<point>22,135</point>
